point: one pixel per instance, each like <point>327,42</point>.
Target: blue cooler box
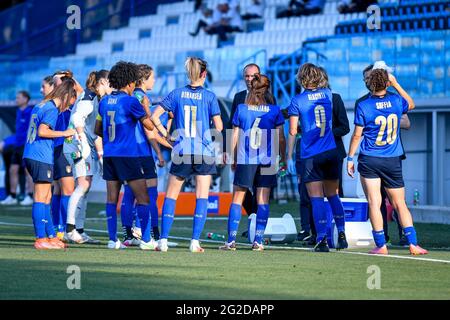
<point>356,210</point>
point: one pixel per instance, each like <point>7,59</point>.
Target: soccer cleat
<point>28,201</point>
<point>88,239</point>
<point>342,241</point>
<point>57,243</point>
<point>9,201</point>
<point>151,245</point>
<point>115,245</point>
<point>377,250</point>
<point>322,246</point>
<point>61,235</point>
<point>195,247</point>
<point>131,242</point>
<point>43,244</point>
<point>74,236</point>
<point>162,245</point>
<point>312,241</point>
<point>303,236</point>
<point>229,246</point>
<point>137,232</point>
<point>257,246</point>
<point>416,250</point>
<point>156,234</point>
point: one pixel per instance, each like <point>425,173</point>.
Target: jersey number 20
<point>391,122</point>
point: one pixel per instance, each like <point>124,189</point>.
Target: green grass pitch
<point>277,273</point>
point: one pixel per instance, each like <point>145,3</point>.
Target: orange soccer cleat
<point>58,244</point>
<point>43,244</point>
<point>416,250</point>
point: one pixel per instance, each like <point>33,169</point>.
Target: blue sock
<point>168,212</point>
<point>143,212</point>
<point>56,218</point>
<point>153,194</point>
<point>262,215</point>
<point>320,217</point>
<point>63,210</point>
<point>49,226</point>
<point>234,216</point>
<point>378,237</point>
<point>338,212</point>
<point>410,234</point>
<point>126,209</point>
<point>112,221</point>
<point>38,214</point>
<point>137,221</point>
<point>201,211</point>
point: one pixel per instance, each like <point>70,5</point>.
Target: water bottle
<point>216,236</point>
<point>416,197</point>
<point>282,172</point>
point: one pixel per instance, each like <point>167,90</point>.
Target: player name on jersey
<point>383,105</point>
<point>316,96</point>
<point>191,95</point>
<point>261,108</point>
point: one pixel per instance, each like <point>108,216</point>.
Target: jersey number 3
<point>112,126</point>
<point>391,122</point>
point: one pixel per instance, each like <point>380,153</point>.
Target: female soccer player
<point>118,116</point>
<point>319,156</point>
<point>38,156</point>
<point>144,138</point>
<point>64,184</point>
<point>84,152</point>
<point>47,85</point>
<point>377,119</point>
<point>193,108</point>
<point>254,124</point>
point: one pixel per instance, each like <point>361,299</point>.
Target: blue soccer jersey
<point>257,123</point>
<point>62,124</point>
<point>143,146</point>
<point>120,114</point>
<point>380,117</point>
<point>193,109</point>
<point>315,111</point>
<point>37,148</point>
<point>22,124</point>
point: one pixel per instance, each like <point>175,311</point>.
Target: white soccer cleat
<point>88,239</point>
<point>74,236</point>
<point>115,245</point>
<point>28,201</point>
<point>9,201</point>
<point>133,242</point>
<point>162,245</point>
<point>151,245</point>
<point>195,247</point>
<point>137,232</point>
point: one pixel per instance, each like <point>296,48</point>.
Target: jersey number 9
<point>112,126</point>
<point>319,112</point>
<point>391,122</point>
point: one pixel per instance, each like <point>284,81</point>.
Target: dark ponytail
<point>94,78</point>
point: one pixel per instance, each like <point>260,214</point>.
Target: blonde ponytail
<point>194,68</point>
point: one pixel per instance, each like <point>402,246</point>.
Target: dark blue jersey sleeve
<point>359,116</point>
<point>293,108</point>
<point>49,117</point>
<point>168,103</point>
<point>135,108</point>
<point>405,105</point>
<point>214,108</point>
<point>279,121</point>
<point>235,120</point>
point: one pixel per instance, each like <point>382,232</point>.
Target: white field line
<point>269,247</point>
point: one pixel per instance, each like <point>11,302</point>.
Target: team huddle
<point>111,128</point>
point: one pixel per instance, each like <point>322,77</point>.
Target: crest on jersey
<point>68,169</point>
